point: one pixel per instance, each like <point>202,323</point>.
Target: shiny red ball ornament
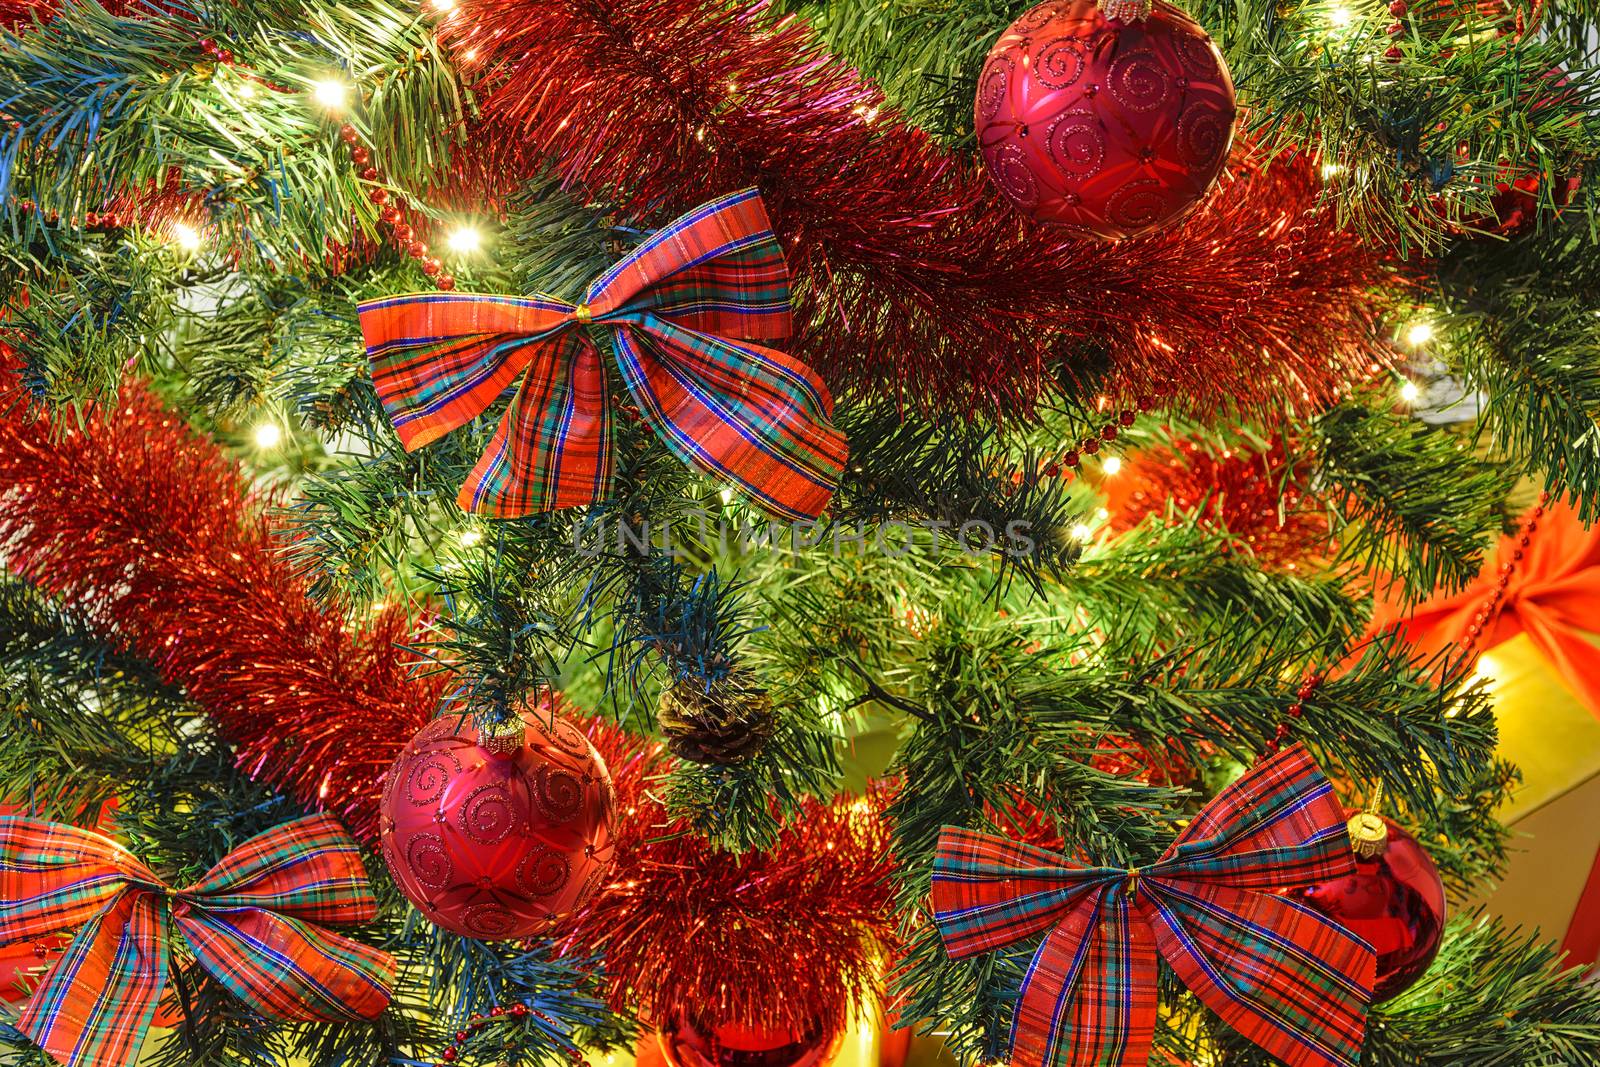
<point>1516,202</point>
<point>687,1043</point>
<point>1113,128</point>
<point>498,837</point>
<point>1395,901</point>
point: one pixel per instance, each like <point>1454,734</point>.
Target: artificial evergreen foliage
<point>229,596</point>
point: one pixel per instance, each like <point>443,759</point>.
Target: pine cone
<point>729,723</point>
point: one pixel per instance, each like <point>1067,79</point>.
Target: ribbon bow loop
<point>251,923</point>
<point>1548,593</point>
<point>1291,981</point>
<point>681,312</point>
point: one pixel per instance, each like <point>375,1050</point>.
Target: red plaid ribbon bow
<point>735,410</point>
<point>1291,981</point>
<point>250,922</point>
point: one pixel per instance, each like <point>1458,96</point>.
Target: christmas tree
<point>535,530</point>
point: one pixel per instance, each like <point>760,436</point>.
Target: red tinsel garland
<point>15,14</point>
<point>151,530</point>
<point>786,938</point>
<point>1239,490</point>
<point>911,273</point>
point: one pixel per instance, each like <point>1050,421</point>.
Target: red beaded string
<point>224,57</point>
<point>1482,620</point>
<point>108,220</point>
<point>401,233</point>
<point>1486,616</point>
<point>393,215</point>
<point>1073,457</point>
<point>476,1022</point>
<point>1308,686</point>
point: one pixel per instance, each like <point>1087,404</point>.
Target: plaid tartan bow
<point>1291,981</point>
<point>250,922</point>
<point>731,409</point>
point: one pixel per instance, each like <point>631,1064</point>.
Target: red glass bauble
<point>1395,902</point>
<point>1516,202</point>
<point>686,1043</point>
<point>498,842</point>
<point>1115,129</point>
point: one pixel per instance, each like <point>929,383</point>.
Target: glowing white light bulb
<point>444,7</point>
<point>1339,17</point>
<point>331,94</point>
<point>465,239</point>
<point>1419,333</point>
<point>268,435</point>
<point>1331,169</point>
<point>246,91</point>
<point>1112,465</point>
<point>470,538</point>
<point>1410,392</point>
<point>186,237</point>
<point>1083,533</point>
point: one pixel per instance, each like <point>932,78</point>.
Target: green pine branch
<point>1409,500</point>
<point>1493,998</point>
<point>1517,324</point>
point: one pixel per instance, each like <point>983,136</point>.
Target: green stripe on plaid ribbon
<point>1291,981</point>
<point>252,923</point>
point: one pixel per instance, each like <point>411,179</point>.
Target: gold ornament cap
<point>1369,835</point>
<point>1126,10</point>
<point>502,738</point>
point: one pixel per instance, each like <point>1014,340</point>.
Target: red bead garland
<point>1088,446</point>
<point>1487,616</point>
<point>1308,686</point>
<point>402,235</point>
<point>477,1021</point>
<point>224,57</point>
<point>1481,621</point>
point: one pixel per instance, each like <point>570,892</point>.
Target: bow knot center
<point>582,314</point>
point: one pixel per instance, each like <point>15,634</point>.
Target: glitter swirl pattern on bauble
<point>492,844</point>
<point>1113,129</point>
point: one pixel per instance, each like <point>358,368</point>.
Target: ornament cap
<point>1126,10</point>
<point>1369,836</point>
<point>502,738</point>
